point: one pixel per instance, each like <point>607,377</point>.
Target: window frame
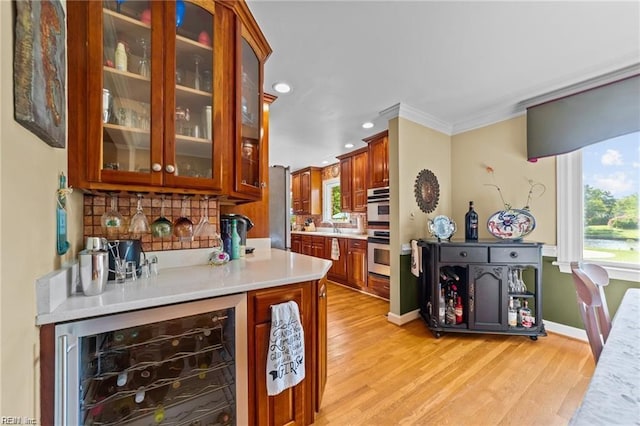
<point>570,220</point>
<point>326,202</point>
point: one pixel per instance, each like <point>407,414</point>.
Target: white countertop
<point>264,269</point>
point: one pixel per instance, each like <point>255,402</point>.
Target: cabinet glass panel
<point>126,93</point>
<point>180,371</point>
<point>251,112</point>
<point>194,91</point>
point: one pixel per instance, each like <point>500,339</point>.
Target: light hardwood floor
<point>382,374</point>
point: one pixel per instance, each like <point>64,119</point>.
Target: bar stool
<point>590,280</point>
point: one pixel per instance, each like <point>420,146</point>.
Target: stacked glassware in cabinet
<point>180,371</point>
<point>129,82</point>
<point>521,300</point>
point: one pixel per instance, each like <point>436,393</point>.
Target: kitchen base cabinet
<point>296,405</point>
<point>357,264</point>
<point>338,271</point>
<point>378,285</point>
<point>473,287</point>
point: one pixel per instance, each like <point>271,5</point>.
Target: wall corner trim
<point>414,114</point>
<point>404,318</point>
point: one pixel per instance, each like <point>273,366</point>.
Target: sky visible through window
<point>611,179</point>
<point>613,165</point>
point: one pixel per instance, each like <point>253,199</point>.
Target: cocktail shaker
<point>94,269</point>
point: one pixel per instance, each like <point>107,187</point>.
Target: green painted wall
<point>408,286</point>
<point>559,302</point>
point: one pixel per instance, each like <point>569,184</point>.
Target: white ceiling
<point>460,63</point>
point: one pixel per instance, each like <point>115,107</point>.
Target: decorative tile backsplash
<point>96,205</point>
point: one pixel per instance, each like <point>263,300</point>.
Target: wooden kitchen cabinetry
<point>306,188</point>
<point>357,263</point>
<point>378,159</point>
<point>296,243</point>
<point>338,271</point>
<point>353,180</point>
<point>164,101</point>
<point>296,405</point>
<point>486,276</point>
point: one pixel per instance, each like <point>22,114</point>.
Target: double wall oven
<point>378,249</point>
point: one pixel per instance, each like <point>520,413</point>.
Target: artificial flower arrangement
<point>510,223</point>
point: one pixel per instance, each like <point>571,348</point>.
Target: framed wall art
<point>39,69</point>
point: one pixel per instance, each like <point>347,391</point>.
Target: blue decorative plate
<point>442,227</point>
<point>513,224</point>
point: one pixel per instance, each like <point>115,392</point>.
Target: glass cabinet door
<point>193,67</point>
<point>126,93</point>
<point>251,113</point>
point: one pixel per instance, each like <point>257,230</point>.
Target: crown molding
<point>506,110</point>
<point>410,113</point>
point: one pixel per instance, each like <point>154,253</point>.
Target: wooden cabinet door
<point>378,160</point>
<point>345,184</point>
<point>321,327</point>
<point>305,192</point>
<point>317,247</point>
<point>378,285</point>
<point>296,199</point>
<point>293,406</point>
<point>487,297</point>
<point>338,271</point>
<point>360,178</point>
<point>307,245</point>
<point>357,263</point>
<point>296,243</point>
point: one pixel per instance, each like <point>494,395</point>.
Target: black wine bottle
<point>471,224</point>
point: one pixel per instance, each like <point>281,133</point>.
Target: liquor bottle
<point>458,311</point>
<point>451,313</point>
<point>235,240</point>
<point>512,317</point>
<point>525,315</point>
<point>471,224</point>
<point>441,307</point>
<point>451,273</point>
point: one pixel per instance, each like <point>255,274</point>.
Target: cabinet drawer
<point>514,254</point>
<point>464,254</point>
<point>361,244</point>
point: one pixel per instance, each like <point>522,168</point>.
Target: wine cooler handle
<point>63,364</point>
<point>471,295</point>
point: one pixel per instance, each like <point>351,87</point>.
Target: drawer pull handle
<point>513,254</point>
<point>463,254</point>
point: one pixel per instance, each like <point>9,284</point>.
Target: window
<point>331,203</point>
<point>598,206</point>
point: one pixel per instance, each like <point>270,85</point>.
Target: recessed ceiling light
<point>281,87</point>
<point>325,162</point>
<point>348,145</point>
<point>367,125</point>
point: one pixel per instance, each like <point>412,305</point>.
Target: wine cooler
<point>183,364</point>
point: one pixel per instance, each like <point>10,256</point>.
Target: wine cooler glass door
<point>180,364</point>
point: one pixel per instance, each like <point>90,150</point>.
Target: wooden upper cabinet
<point>353,180</point>
<point>378,159</point>
<point>153,91</point>
<point>306,188</point>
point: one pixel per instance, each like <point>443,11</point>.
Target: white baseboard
<point>404,318</point>
<point>565,330</point>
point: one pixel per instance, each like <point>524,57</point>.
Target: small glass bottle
<point>525,315</point>
<point>451,313</point>
<point>441,307</point>
<point>512,317</point>
<point>459,310</point>
<point>235,240</point>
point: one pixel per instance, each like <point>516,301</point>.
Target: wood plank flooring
<point>382,374</point>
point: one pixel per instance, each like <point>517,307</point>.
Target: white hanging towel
<point>416,258</point>
<point>285,357</point>
<point>335,249</point>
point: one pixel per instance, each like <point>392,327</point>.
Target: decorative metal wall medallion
<point>427,191</point>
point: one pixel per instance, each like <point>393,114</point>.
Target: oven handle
<point>377,200</point>
<point>376,240</point>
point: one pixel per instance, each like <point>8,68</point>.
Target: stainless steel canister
<point>94,269</point>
